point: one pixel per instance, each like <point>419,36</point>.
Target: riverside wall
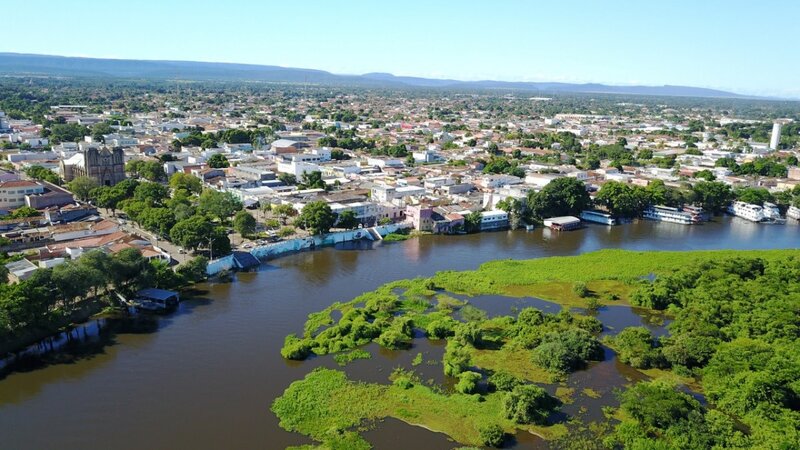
<point>274,250</point>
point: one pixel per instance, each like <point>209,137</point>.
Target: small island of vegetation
<point>725,376</point>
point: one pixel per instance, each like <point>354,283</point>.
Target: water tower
<point>776,135</point>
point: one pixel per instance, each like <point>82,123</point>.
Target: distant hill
<point>27,64</point>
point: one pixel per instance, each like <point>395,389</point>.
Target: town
<point>195,181</point>
<point>382,225</point>
<point>192,173</point>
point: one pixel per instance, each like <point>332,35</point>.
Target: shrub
<point>440,329</point>
<point>456,359</point>
<point>529,404</point>
<point>657,404</point>
<point>492,435</point>
<point>636,347</point>
<point>503,381</point>
<point>567,351</point>
<point>468,382</point>
<point>580,289</point>
<point>394,339</point>
<point>295,348</point>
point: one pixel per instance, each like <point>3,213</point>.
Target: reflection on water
<point>206,378</point>
<point>405,436</point>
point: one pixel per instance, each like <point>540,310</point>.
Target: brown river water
<point>204,377</point>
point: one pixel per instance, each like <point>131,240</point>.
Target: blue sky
<point>743,46</point>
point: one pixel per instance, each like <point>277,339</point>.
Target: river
<point>205,376</point>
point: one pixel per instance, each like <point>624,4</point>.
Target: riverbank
<point>488,357</point>
<point>278,249</point>
<point>84,311</point>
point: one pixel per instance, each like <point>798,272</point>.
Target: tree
<point>23,212</point>
<point>657,404</point>
<point>472,222</point>
<point>529,403</point>
<point>97,267</point>
<point>218,161</point>
<point>67,132</point>
<point>218,204</point>
<point>164,277</point>
<point>107,197</point>
<point>503,381</point>
<point>244,223</point>
<point>194,270</point>
<point>468,382</point>
<point>565,196</point>
<point>72,281</point>
<point>152,171</point>
<point>492,435</point>
<point>316,217</point>
<point>705,174</point>
<point>149,170</point>
<point>623,200</point>
<point>347,220</point>
<point>188,182</point>
<point>287,179</point>
<point>81,187</point>
<point>456,359</point>
<point>566,351</point>
<point>713,196</point>
<point>40,173</point>
<point>158,220</point>
<point>338,155</point>
<point>312,180</point>
<point>99,129</point>
<point>129,271</point>
<point>283,211</point>
<point>192,232</point>
<point>636,346</point>
<point>756,196</point>
<point>152,194</point>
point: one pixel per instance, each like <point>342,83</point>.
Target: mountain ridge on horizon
<point>52,65</point>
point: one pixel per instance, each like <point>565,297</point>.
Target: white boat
<point>749,211</point>
<point>772,213</point>
<point>598,217</point>
<point>793,213</point>
<point>673,215</point>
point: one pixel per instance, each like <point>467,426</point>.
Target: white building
<point>298,168</point>
<point>384,193</point>
<point>12,193</point>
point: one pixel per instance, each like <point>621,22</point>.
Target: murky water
<point>206,376</point>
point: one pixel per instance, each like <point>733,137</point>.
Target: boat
<point>591,215</point>
<point>749,211</point>
<point>772,213</point>
<point>683,216</point>
<point>793,213</point>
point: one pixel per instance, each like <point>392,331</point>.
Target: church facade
<point>106,165</point>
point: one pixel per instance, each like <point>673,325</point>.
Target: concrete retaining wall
<point>277,249</point>
<point>218,265</point>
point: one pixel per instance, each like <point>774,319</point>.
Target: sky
<point>742,46</point>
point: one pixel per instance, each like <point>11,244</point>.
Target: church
<point>105,164</point>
